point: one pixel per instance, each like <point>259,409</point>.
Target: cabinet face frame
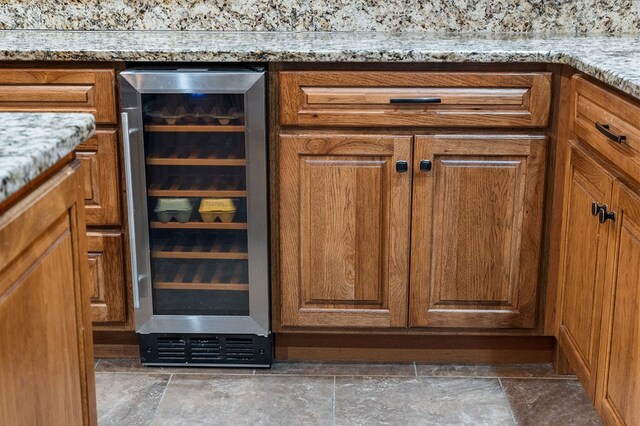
<point>430,277</point>
<point>387,304</point>
<point>616,396</point>
<point>586,175</point>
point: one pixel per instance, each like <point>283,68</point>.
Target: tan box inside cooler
<point>212,209</point>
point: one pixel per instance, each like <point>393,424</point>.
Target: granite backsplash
<point>436,16</point>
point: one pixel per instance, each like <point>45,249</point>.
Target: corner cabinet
<point>619,360</point>
<point>345,204</point>
<point>599,292</point>
<point>464,211</point>
<point>477,222</point>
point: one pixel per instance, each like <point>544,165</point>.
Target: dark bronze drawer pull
<point>415,100</point>
<point>604,215</point>
<point>402,166</point>
<point>595,208</point>
<point>604,129</point>
<point>425,165</point>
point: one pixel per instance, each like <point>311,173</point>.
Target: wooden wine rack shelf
<point>201,246</point>
<point>198,225</point>
<point>197,286</point>
<point>198,186</point>
<point>202,275</point>
<point>193,128</point>
<point>196,152</point>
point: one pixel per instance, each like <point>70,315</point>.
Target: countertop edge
<point>598,71</point>
<point>30,143</point>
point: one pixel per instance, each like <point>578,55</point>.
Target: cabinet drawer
<point>59,90</point>
<point>595,107</point>
<point>107,276</point>
<point>366,99</point>
<point>99,156</point>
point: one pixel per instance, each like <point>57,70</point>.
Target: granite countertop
<point>30,143</point>
<point>614,59</point>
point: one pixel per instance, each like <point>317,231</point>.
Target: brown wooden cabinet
<point>618,386</point>
<point>599,274</point>
<point>344,229</point>
<point>91,90</point>
<point>476,231</point>
<point>583,257</point>
<point>465,211</point>
<point>45,340</point>
<point>345,210</point>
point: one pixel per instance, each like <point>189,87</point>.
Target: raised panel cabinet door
<point>107,281</point>
<point>582,265</point>
<point>99,156</point>
<point>344,230</point>
<point>618,388</point>
<point>476,230</point>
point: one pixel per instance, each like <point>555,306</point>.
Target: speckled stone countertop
<point>614,59</point>
<point>30,143</point>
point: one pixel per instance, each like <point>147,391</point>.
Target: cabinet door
<point>618,386</point>
<point>476,227</point>
<point>344,230</point>
<point>582,265</point>
<point>99,156</point>
<point>106,277</point>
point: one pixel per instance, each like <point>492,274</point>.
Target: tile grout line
<point>506,397</point>
<point>334,401</point>
<point>162,397</point>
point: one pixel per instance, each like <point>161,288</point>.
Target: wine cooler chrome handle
<point>132,231</point>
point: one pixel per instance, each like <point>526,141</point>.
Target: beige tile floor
<point>340,394</point>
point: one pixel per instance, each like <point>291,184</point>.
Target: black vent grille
<point>250,350</point>
<point>171,348</point>
<point>203,349</point>
<point>239,349</point>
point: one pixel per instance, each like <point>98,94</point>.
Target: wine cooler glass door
<point>197,171</point>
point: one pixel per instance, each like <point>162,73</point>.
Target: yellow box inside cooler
<point>217,208</point>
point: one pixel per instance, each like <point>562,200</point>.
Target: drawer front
<point>59,90</point>
<point>595,108</point>
<point>107,276</point>
<point>367,99</point>
<point>99,156</point>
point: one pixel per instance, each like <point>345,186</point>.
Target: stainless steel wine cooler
<point>196,177</point>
